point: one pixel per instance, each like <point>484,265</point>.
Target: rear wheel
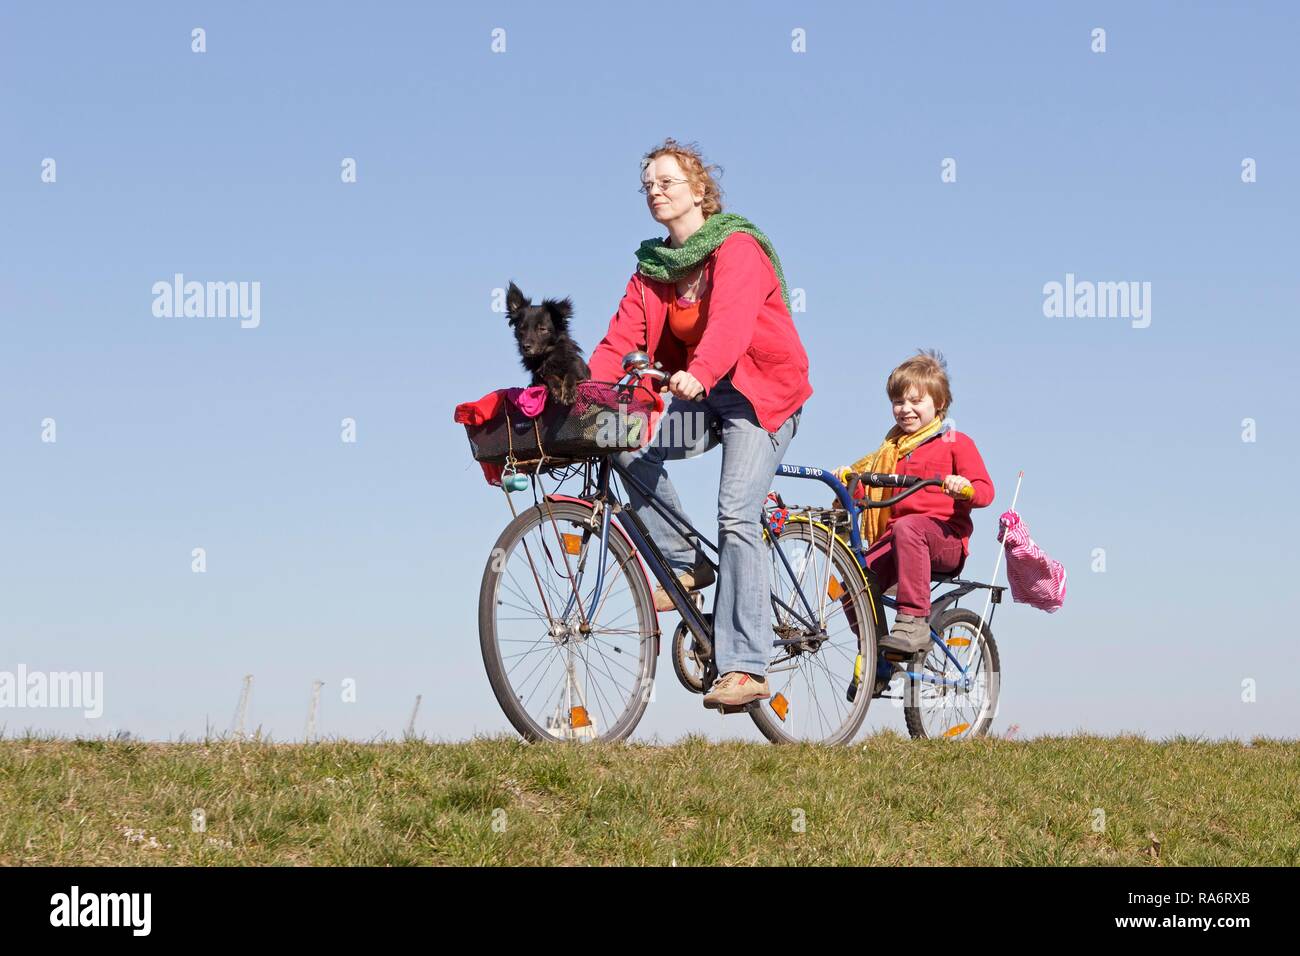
<point>568,657</point>
<point>821,678</point>
<point>942,703</point>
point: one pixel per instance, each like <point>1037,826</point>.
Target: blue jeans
<point>742,609</point>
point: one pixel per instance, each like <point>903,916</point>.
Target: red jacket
<point>749,332</point>
<point>945,454</point>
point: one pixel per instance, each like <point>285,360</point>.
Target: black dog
<point>547,351</point>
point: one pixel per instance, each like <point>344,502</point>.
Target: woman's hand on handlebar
<point>684,385</point>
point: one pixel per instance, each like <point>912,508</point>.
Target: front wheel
<point>943,702</point>
<point>568,630</point>
<point>824,628</point>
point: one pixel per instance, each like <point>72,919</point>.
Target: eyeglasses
<point>664,184</point>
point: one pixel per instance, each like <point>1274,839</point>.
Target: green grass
<point>886,800</point>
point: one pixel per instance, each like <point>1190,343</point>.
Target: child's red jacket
<point>950,453</point>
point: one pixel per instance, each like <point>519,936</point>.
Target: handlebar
<point>912,483</point>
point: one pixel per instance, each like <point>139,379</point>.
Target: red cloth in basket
<point>531,402</point>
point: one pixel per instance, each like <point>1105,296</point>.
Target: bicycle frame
<point>873,586</point>
<point>656,564</point>
<point>637,533</point>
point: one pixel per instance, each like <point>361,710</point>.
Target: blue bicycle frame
<point>966,681</point>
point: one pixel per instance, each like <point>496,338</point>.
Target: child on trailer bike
<point>925,533</point>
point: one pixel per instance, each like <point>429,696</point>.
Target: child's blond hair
<point>928,371</point>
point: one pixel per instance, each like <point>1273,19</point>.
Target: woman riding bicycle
<point>709,302</point>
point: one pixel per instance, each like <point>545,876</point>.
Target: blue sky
<point>362,561</point>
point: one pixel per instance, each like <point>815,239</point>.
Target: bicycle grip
<point>878,479</point>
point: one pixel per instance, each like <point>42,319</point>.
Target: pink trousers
<point>910,549</point>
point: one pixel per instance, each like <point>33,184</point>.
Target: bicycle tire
<point>913,714</point>
<point>863,627</point>
<point>626,561</point>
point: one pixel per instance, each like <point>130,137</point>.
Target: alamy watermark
<point>1100,300</point>
<point>631,430</point>
<point>75,908</point>
<point>54,690</point>
<point>208,300</point>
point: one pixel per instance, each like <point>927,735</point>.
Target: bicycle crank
<point>690,663</point>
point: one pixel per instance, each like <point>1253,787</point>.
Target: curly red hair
<point>698,173</point>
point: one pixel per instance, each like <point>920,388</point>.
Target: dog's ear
<point>561,310</point>
<point>515,301</point>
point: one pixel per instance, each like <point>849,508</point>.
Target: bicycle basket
<point>605,418</point>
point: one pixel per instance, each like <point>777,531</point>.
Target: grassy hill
<point>886,800</point>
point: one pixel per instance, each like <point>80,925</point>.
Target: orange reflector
<point>959,642</point>
<point>572,543</point>
<point>578,717</point>
<point>780,705</point>
<point>835,589</point>
<point>954,731</point>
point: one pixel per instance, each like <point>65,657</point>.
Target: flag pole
<point>997,565</point>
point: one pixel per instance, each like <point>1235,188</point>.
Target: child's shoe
<point>909,636</point>
<point>886,671</point>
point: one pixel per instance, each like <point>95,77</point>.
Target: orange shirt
<point>686,321</point>
<point>759,344</point>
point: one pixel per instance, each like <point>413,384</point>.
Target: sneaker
<point>736,689</point>
<point>886,671</point>
<point>701,577</point>
<point>909,636</point>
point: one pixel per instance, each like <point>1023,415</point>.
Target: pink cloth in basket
<point>1035,578</point>
<point>531,401</point>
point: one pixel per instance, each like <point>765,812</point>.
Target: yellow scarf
<point>884,460</point>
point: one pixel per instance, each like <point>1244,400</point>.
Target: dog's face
<point>537,327</point>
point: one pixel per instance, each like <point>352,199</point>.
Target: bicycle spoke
<point>534,650</point>
<point>836,689</point>
<point>544,647</point>
<point>608,661</point>
<point>609,577</point>
<point>814,671</point>
<point>540,681</point>
<point>519,592</point>
<point>821,714</point>
<point>966,702</point>
<point>583,654</point>
<point>572,632</point>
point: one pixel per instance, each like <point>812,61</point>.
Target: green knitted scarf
<point>655,260</point>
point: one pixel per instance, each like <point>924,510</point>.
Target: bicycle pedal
<point>736,708</point>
